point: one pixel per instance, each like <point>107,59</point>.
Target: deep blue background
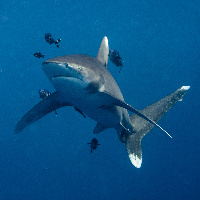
<point>159,42</point>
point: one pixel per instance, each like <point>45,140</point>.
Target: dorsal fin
<point>102,55</point>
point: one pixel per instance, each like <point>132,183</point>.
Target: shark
<point>84,82</point>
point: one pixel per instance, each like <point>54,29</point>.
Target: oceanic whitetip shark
<point>85,83</point>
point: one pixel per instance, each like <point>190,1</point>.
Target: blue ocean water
<point>159,42</point>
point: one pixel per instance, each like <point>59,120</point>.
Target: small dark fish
<point>115,58</point>
<point>50,40</point>
<point>38,55</point>
<point>94,144</point>
<point>56,42</point>
<point>44,93</point>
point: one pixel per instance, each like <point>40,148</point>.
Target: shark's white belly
<point>91,104</point>
<point>108,116</point>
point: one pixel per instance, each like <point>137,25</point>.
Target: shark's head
<point>63,66</point>
<point>80,71</point>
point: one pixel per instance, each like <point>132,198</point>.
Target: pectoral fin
<point>49,104</point>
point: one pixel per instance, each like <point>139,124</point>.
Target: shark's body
<point>85,83</point>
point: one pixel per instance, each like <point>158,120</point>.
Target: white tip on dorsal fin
<point>102,55</point>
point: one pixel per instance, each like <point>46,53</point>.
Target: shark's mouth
<point>67,79</point>
<point>60,76</point>
<point>64,76</point>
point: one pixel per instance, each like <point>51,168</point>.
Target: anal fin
<point>98,129</point>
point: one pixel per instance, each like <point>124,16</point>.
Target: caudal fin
<point>142,126</point>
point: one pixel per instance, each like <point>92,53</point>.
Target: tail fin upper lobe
<point>155,113</point>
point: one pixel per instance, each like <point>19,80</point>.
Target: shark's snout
<point>53,69</point>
